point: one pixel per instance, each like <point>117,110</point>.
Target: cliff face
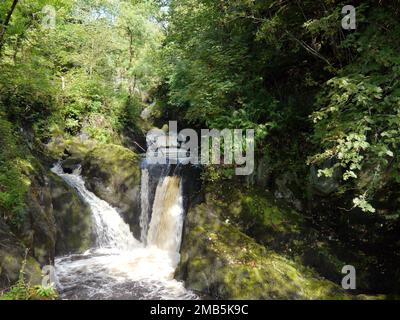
<point>55,222</point>
<point>40,217</point>
<point>73,219</point>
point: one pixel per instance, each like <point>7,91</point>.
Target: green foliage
<point>47,293</point>
<point>284,68</point>
<point>23,290</point>
<point>358,117</point>
<point>208,74</point>
<point>86,76</point>
<point>214,174</point>
<point>81,76</point>
<point>272,66</point>
<point>14,174</point>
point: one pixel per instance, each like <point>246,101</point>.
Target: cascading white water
<point>120,267</point>
<point>110,230</point>
<point>165,230</point>
<point>145,206</point>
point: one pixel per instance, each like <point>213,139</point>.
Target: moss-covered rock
<point>12,255</point>
<point>51,219</point>
<point>217,259</point>
<point>113,173</point>
<point>259,215</point>
<point>27,201</point>
<point>272,223</point>
<point>39,212</point>
<point>38,230</point>
<point>73,149</point>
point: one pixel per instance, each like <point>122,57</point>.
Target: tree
<point>4,25</point>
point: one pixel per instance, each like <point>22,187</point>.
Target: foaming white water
<point>105,274</point>
<point>145,205</point>
<point>120,267</point>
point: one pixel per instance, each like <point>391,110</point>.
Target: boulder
<point>113,173</point>
<point>275,225</point>
<point>220,261</point>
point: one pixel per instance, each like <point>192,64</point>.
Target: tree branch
<point>6,23</point>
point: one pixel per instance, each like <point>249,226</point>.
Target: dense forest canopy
<point>74,67</point>
<point>313,91</point>
<point>324,101</point>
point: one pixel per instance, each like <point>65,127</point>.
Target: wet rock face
<point>113,173</point>
<point>56,222</point>
<point>73,219</point>
<point>38,232</point>
<point>218,260</point>
<point>12,254</point>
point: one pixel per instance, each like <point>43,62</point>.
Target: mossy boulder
<point>112,172</point>
<point>219,260</point>
<point>73,149</point>
<point>73,219</point>
<point>12,256</point>
<point>259,215</point>
<point>274,224</point>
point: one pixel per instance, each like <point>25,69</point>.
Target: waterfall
<point>145,205</point>
<point>165,230</point>
<point>119,266</point>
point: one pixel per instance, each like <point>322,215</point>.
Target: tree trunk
<point>6,22</point>
<point>131,86</point>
